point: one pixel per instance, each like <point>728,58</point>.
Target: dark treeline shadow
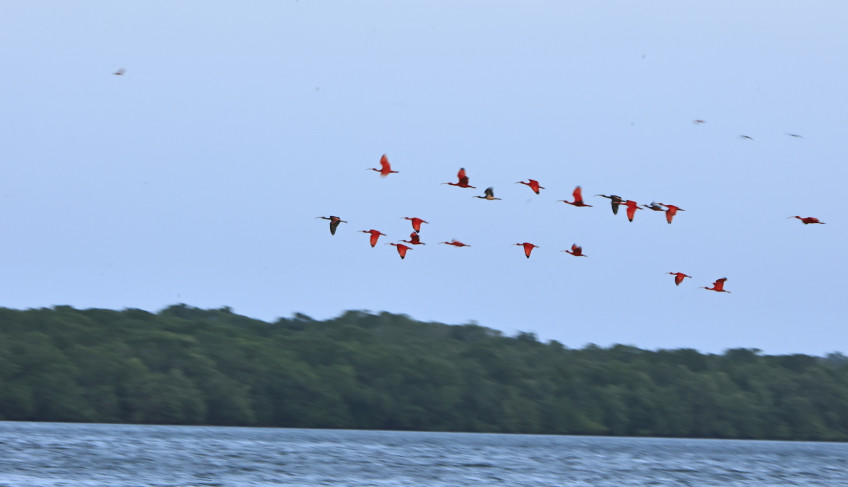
<point>360,370</point>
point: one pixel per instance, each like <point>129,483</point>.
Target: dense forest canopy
<point>185,365</point>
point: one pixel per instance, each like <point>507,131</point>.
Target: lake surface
<point>55,454</point>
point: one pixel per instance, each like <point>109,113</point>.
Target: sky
<point>196,176</point>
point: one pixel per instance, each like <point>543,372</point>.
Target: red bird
<point>528,247</point>
<point>678,277</point>
<point>632,206</point>
<point>334,222</point>
<point>456,243</point>
<point>534,185</point>
<point>416,240</point>
<point>807,220</point>
<point>578,198</point>
<point>670,211</point>
<point>401,248</point>
<point>416,222</point>
<point>385,167</point>
<point>576,251</point>
<point>718,286</point>
<point>462,179</point>
<point>375,234</point>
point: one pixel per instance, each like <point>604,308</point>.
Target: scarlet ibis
<point>615,200</point>
<point>534,185</point>
<point>678,277</point>
<point>670,211</point>
<point>489,194</point>
<point>385,167</point>
<point>334,222</point>
<point>578,198</point>
<point>456,243</point>
<point>528,247</point>
<point>120,72</point>
<point>462,179</point>
<point>576,251</point>
<point>401,248</point>
<point>415,239</point>
<point>632,206</point>
<point>416,222</point>
<point>375,234</point>
<point>655,206</point>
<point>718,286</point>
<point>808,219</point>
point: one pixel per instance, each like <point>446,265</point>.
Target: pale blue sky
<point>196,177</point>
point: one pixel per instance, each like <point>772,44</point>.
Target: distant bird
<point>120,72</point>
<point>578,198</point>
<point>533,184</point>
<point>415,239</point>
<point>489,194</point>
<point>401,248</point>
<point>807,220</point>
<point>718,286</point>
<point>670,211</point>
<point>678,277</point>
<point>334,222</point>
<point>375,234</point>
<point>746,137</point>
<point>456,243</point>
<point>795,135</point>
<point>528,247</point>
<point>416,222</point>
<point>632,206</point>
<point>385,167</point>
<point>462,179</point>
<point>615,200</point>
<point>654,206</point>
<point>576,251</point>
<point>699,122</point>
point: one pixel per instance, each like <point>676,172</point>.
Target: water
<point>53,454</point>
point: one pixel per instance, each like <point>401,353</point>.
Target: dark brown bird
<point>654,206</point>
<point>120,72</point>
<point>615,201</point>
<point>334,222</point>
<point>489,194</point>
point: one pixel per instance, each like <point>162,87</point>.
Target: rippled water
<point>52,454</point>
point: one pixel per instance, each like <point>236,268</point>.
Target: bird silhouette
<point>807,220</point>
<point>670,211</point>
<point>528,247</point>
<point>699,122</point>
<point>578,198</point>
<point>334,222</point>
<point>678,277</point>
<point>615,201</point>
<point>576,251</point>
<point>401,248</point>
<point>375,234</point>
<point>120,72</point>
<point>462,179</point>
<point>489,194</point>
<point>718,286</point>
<point>385,167</point>
<point>416,222</point>
<point>533,184</point>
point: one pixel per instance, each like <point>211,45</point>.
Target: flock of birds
<point>631,207</point>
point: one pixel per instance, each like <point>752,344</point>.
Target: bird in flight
<point>462,179</point>
<point>670,211</point>
<point>578,198</point>
<point>415,239</point>
<point>489,194</point>
<point>807,219</point>
<point>795,135</point>
<point>655,206</point>
<point>375,234</point>
<point>456,243</point>
<point>416,222</point>
<point>120,72</point>
<point>528,247</point>
<point>615,200</point>
<point>576,251</point>
<point>334,222</point>
<point>632,206</point>
<point>699,122</point>
<point>401,248</point>
<point>678,277</point>
<point>718,286</point>
<point>533,184</point>
<point>385,167</point>
<point>746,137</point>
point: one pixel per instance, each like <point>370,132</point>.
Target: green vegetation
<point>192,366</point>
